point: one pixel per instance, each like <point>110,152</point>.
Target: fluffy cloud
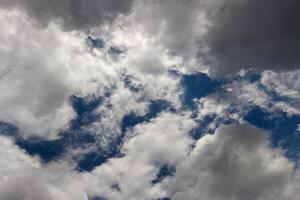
<point>150,146</point>
<point>72,14</point>
<point>234,163</point>
<point>40,69</point>
<point>176,24</point>
<point>225,35</point>
<point>42,65</point>
<point>23,177</point>
<point>254,34</point>
<point>285,84</point>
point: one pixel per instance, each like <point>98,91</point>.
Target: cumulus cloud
<point>263,92</point>
<point>285,84</point>
<point>176,24</point>
<point>149,147</point>
<point>254,34</point>
<point>234,163</point>
<point>225,36</point>
<point>76,15</point>
<point>233,34</point>
<point>40,69</point>
<point>23,177</point>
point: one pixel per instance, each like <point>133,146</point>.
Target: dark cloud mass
<point>261,34</point>
<point>74,14</point>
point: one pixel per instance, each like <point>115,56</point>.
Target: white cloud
<point>151,146</point>
<point>261,93</point>
<point>177,24</point>
<point>23,177</point>
<point>34,89</point>
<point>248,92</point>
<point>121,103</point>
<point>174,27</point>
<point>234,163</point>
<point>40,69</point>
<point>210,106</point>
<point>286,85</point>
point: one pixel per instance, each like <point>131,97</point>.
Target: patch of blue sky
<point>95,42</point>
<point>96,198</point>
<point>8,129</point>
<point>155,107</point>
<point>84,110</point>
<point>164,171</point>
<point>46,150</point>
<point>96,158</point>
<point>128,81</point>
<point>197,86</point>
<point>75,137</point>
<point>250,75</point>
<point>283,129</point>
<point>79,137</point>
<point>204,125</point>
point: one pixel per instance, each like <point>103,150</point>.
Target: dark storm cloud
<point>262,34</point>
<point>74,14</point>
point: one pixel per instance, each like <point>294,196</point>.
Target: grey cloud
<point>173,23</point>
<point>234,163</point>
<point>259,34</point>
<point>78,14</point>
<point>20,189</point>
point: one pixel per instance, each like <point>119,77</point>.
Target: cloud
<point>39,70</point>
<point>285,84</point>
<point>73,15</point>
<point>168,24</point>
<point>234,163</point>
<point>23,177</point>
<point>273,91</point>
<point>233,34</point>
<point>41,67</point>
<point>254,34</point>
<point>149,146</point>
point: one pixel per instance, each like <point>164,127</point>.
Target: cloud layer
<point>115,85</point>
<point>255,34</point>
<point>72,14</point>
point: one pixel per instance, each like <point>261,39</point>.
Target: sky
<point>149,100</point>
